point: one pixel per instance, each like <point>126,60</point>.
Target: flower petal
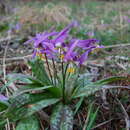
<point>3,98</point>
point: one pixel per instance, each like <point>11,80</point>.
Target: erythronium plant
<point>56,80</point>
<point>58,51</point>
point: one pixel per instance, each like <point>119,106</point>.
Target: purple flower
<point>18,26</point>
<point>125,17</point>
<point>34,53</point>
<point>128,20</point>
<point>3,98</point>
<point>57,45</point>
<point>40,38</point>
<point>86,44</point>
<point>63,34</point>
<point>90,34</point>
<point>70,53</point>
<point>83,57</point>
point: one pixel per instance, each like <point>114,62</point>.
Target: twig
<point>121,66</point>
<point>13,126</point>
<point>111,87</point>
<point>44,116</point>
<point>126,116</point>
<point>4,65</point>
<point>7,38</point>
<point>42,127</point>
<point>101,124</point>
<point>4,73</point>
<point>17,58</point>
<point>7,125</point>
<point>104,98</point>
<point>118,45</point>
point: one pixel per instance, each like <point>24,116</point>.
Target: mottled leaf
<point>93,87</point>
<point>111,79</point>
<point>28,88</point>
<point>62,118</point>
<point>30,123</point>
<point>25,105</point>
<point>40,105</point>
<point>39,71</point>
<point>3,105</point>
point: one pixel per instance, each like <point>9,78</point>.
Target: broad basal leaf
<point>110,79</point>
<point>40,105</point>
<point>31,88</point>
<point>20,100</point>
<point>30,123</point>
<point>93,87</point>
<point>19,76</point>
<point>14,77</point>
<point>2,123</point>
<point>39,71</point>
<point>55,91</point>
<point>3,105</point>
<point>27,109</point>
<point>62,118</point>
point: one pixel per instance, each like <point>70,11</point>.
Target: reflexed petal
<point>34,53</point>
<point>48,45</point>
<point>42,37</point>
<point>64,33</point>
<point>3,98</point>
<point>29,41</point>
<point>87,43</point>
<point>69,54</point>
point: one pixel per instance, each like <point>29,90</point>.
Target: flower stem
<point>48,68</point>
<point>66,68</point>
<point>55,71</point>
<point>63,78</point>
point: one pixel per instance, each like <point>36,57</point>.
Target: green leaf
<point>2,124</point>
<point>20,100</point>
<point>78,105</point>
<point>87,91</point>
<point>3,105</point>
<point>15,77</point>
<point>91,117</point>
<point>111,79</point>
<point>93,87</point>
<point>16,104</point>
<point>62,118</point>
<point>22,77</point>
<point>25,109</point>
<point>30,89</point>
<point>39,96</point>
<point>7,84</point>
<point>38,70</point>
<point>55,91</point>
<point>30,123</point>
<point>40,105</point>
